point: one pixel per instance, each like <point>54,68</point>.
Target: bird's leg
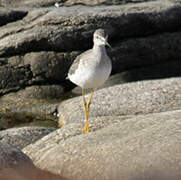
<point>84,100</point>
<point>87,110</point>
<point>89,103</point>
<point>86,128</point>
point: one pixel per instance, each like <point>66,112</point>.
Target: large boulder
<point>139,147</point>
<point>125,99</point>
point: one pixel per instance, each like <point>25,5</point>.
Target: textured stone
<point>28,174</point>
<point>98,2</point>
<point>27,3</point>
<point>158,71</point>
<point>21,137</point>
<point>15,165</point>
<point>140,147</point>
<point>11,157</point>
<point>10,15</point>
<point>41,92</point>
<point>126,99</point>
<point>46,41</point>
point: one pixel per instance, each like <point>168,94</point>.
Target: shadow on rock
<point>28,174</point>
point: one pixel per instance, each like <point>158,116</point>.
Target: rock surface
<point>8,15</point>
<point>11,157</point>
<point>135,126</point>
<point>39,49</point>
<point>21,137</point>
<point>127,99</point>
<point>158,71</point>
<point>15,165</point>
<point>48,3</point>
<point>141,147</point>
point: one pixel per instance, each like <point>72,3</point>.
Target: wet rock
<point>21,137</point>
<point>139,147</point>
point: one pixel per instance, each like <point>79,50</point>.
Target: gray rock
<point>15,165</point>
<point>21,137</point>
<point>98,2</point>
<point>142,34</point>
<point>27,3</point>
<point>47,3</point>
<point>145,52</point>
<point>41,92</point>
<point>133,20</point>
<point>127,99</point>
<point>45,68</point>
<point>10,15</point>
<point>141,147</point>
<point>13,78</point>
<point>158,71</point>
<point>11,157</point>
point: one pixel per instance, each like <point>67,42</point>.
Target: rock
<point>28,174</point>
<point>45,42</point>
<point>22,116</point>
<point>146,52</point>
<point>13,78</point>
<point>10,15</point>
<point>140,147</point>
<point>168,69</point>
<point>127,99</point>
<point>11,157</point>
<point>46,68</point>
<point>16,111</point>
<point>98,2</point>
<point>15,165</point>
<point>21,137</point>
<point>28,3</point>
<point>41,92</point>
<point>47,3</point>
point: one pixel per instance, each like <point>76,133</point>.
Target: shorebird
<point>91,69</point>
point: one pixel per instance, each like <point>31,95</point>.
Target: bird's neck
<point>99,48</point>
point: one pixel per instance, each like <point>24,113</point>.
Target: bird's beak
<point>108,44</point>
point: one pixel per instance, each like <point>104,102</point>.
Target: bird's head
<point>100,37</point>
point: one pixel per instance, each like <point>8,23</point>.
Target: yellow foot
<point>86,129</point>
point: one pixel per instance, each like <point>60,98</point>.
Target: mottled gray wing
<point>81,57</point>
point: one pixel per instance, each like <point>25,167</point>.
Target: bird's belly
<point>91,78</point>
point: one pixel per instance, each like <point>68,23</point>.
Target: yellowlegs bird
<point>91,69</point>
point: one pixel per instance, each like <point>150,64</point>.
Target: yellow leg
<point>87,110</point>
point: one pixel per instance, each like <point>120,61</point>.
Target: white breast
<point>91,75</point>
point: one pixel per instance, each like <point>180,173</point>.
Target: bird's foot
<point>86,128</point>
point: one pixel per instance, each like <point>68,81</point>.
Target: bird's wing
<point>81,57</point>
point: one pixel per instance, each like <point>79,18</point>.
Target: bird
<point>91,69</point>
